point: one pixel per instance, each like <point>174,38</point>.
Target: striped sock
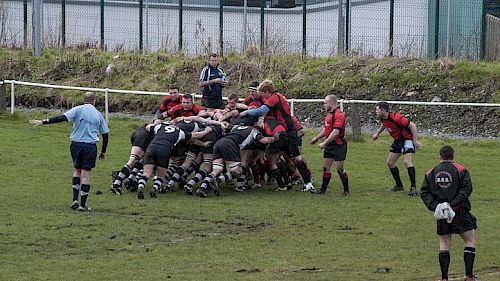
<point>76,188</point>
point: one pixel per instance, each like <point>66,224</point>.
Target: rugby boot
<point>413,191</point>
<point>152,192</point>
<point>84,208</point>
<point>140,193</point>
<point>189,189</point>
<point>115,189</point>
<point>74,205</point>
<point>319,191</point>
<point>308,187</point>
<point>215,186</point>
<point>397,188</point>
<point>345,193</point>
<point>201,192</point>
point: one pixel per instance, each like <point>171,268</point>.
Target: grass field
<point>258,235</point>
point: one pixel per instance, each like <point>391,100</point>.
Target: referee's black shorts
<point>462,222</point>
<point>83,154</point>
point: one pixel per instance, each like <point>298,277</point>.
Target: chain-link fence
<point>404,28</point>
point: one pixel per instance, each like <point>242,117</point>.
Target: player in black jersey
<point>140,140</point>
<point>200,149</point>
<point>158,153</point>
<point>227,150</point>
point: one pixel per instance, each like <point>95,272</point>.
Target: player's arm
<point>426,195</point>
<point>379,131</point>
<point>53,120</point>
<point>318,137</point>
<point>413,129</point>
<point>199,143</point>
<point>199,135</point>
<point>269,140</point>
<point>331,137</point>
<point>464,192</point>
<point>241,106</point>
<point>260,111</point>
<point>105,138</point>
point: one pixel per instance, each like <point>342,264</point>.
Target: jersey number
<point>169,129</point>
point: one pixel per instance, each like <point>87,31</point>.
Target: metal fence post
<point>102,24</point>
<point>245,24</point>
<point>221,28</point>
<point>106,104</point>
<point>436,31</point>
<point>146,27</point>
<point>140,25</point>
<point>340,28</point>
<point>180,24</point>
<point>391,28</point>
<point>304,28</point>
<point>63,23</point>
<point>347,25</point>
<point>12,96</point>
<point>37,27</point>
<point>262,4</point>
<point>292,107</point>
<point>482,48</point>
<point>25,23</point>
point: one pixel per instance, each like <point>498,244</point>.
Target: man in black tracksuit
<point>450,182</point>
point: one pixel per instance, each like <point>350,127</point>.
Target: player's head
<point>89,97</point>
<point>446,153</point>
<point>253,88</point>
<point>266,88</point>
<point>382,109</point>
<point>232,101</point>
<point>187,102</point>
<point>330,103</point>
<point>213,60</point>
<point>173,90</point>
<point>260,122</point>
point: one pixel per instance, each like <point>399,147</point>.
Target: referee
<point>87,124</point>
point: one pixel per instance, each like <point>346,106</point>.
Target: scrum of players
<point>194,149</point>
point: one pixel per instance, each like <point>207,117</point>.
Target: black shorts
<point>83,154</point>
<point>277,146</point>
<point>141,138</point>
<point>336,151</point>
<point>226,149</point>
<point>157,155</point>
<point>212,103</point>
<point>462,222</point>
<point>180,149</point>
<point>402,146</point>
<point>292,149</point>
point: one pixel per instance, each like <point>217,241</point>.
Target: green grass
<point>258,235</point>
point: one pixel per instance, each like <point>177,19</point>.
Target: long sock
<point>256,173</point>
<point>76,188</point>
<point>304,171</point>
<point>124,172</point>
<point>197,178</point>
<point>225,177</point>
<point>469,256</point>
<point>395,175</point>
<point>171,171</point>
<point>84,193</point>
<point>411,174</point>
<point>279,178</point>
<point>158,183</point>
<point>345,181</point>
<point>284,171</point>
<point>444,263</point>
<point>326,180</point>
<point>142,182</point>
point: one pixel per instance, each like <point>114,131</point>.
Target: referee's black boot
<point>397,188</point>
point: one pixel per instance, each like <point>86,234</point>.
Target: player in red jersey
<point>335,145</point>
<point>404,133</point>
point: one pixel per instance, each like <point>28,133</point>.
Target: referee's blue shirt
<point>87,123</point>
